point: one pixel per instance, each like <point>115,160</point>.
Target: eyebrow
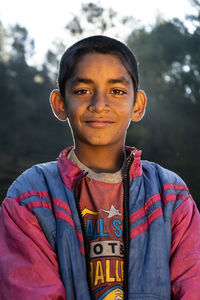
<point>76,80</point>
<point>121,79</point>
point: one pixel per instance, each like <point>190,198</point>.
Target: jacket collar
<point>70,173</point>
<point>136,167</point>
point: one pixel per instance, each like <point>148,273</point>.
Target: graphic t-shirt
<point>101,203</point>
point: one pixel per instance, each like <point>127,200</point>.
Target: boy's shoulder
<point>161,183</point>
<point>151,172</point>
<point>34,178</point>
<point>160,173</point>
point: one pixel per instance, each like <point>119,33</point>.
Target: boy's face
<point>99,101</point>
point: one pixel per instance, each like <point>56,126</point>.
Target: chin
<point>102,143</point>
<point>98,141</point>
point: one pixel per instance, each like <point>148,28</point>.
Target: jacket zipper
<point>83,228</point>
<point>126,225</point>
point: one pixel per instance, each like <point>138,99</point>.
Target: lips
<point>99,122</point>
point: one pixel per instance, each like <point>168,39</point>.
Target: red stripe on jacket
<point>156,213</point>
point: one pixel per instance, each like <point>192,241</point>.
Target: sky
<point>45,19</point>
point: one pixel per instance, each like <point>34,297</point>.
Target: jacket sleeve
<point>185,252</point>
<point>28,263</point>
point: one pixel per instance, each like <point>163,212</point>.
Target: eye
<point>81,92</point>
<point>118,92</point>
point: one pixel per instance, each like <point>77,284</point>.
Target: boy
<point>99,223</point>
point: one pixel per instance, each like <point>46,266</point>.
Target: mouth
<point>99,122</point>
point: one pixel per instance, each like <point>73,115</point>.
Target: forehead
<point>92,64</point>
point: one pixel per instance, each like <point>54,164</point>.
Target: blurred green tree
<point>169,68</point>
<point>28,132</point>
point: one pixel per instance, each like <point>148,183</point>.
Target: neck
<point>100,158</point>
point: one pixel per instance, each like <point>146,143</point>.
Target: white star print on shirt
<point>112,212</point>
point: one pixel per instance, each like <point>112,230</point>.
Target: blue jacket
<point>42,244</point>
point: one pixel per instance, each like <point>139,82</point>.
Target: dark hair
<point>100,44</point>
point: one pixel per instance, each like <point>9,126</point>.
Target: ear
<point>139,106</point>
<point>57,105</point>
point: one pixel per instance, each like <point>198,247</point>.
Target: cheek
<point>125,115</point>
<point>73,112</point>
<point>74,116</point>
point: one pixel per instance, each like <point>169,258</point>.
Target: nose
<point>99,103</point>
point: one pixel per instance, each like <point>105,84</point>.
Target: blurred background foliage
<point>169,64</point>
